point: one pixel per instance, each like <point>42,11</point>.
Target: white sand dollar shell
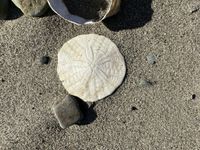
<point>90,67</point>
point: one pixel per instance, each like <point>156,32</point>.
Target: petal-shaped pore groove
<point>90,67</point>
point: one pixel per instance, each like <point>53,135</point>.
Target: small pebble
<point>43,141</point>
<point>145,83</point>
<point>4,4</point>
<point>32,7</point>
<point>67,112</point>
<point>45,60</point>
<point>194,6</point>
<point>133,108</point>
<point>193,96</point>
<point>151,58</point>
<point>195,9</point>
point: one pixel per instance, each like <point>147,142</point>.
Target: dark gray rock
<point>193,96</point>
<point>4,4</point>
<point>45,60</point>
<point>67,112</point>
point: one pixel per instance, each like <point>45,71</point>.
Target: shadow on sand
<point>14,12</point>
<point>133,14</point>
<point>89,115</point>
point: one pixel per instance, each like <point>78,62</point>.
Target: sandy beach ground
<point>165,117</point>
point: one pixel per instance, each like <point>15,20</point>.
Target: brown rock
<point>32,7</point>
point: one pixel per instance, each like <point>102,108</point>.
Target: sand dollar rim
<point>90,67</point>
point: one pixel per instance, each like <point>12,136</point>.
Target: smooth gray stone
<point>144,83</point>
<point>67,112</point>
<point>151,58</point>
<point>32,7</point>
<point>194,6</point>
<point>4,4</point>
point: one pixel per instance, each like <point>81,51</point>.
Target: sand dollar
<point>90,67</point>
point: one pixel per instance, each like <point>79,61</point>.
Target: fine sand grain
<point>166,115</point>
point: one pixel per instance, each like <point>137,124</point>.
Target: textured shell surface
<point>90,67</point>
<point>60,8</point>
